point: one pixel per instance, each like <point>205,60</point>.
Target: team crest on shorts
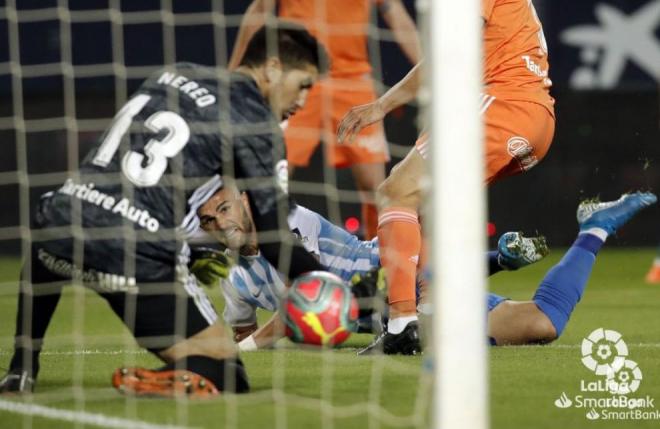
<point>520,149</point>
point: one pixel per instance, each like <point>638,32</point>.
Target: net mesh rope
<point>70,114</point>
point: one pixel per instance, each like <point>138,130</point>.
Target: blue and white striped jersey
<point>254,283</point>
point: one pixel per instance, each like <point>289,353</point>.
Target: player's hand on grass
<point>516,251</point>
<point>210,266</point>
<point>357,118</point>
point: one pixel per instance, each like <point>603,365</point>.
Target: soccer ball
<point>319,309</point>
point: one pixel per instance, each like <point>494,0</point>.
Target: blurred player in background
<point>342,27</point>
<point>653,276</point>
<point>120,225</point>
<point>519,120</point>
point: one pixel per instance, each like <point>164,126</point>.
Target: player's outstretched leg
<point>544,319</point>
<point>400,241</point>
<point>653,276</point>
<point>564,284</point>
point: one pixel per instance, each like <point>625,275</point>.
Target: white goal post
<point>458,208</point>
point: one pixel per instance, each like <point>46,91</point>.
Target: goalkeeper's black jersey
<point>161,158</point>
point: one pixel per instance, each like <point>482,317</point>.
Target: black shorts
<point>159,313</point>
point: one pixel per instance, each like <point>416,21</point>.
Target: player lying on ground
<point>253,283</point>
<point>519,121</point>
<point>187,124</point>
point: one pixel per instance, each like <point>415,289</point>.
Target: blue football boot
<point>611,215</point>
<point>516,251</point>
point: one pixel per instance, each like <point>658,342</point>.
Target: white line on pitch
<point>94,352</point>
<point>577,346</point>
<point>87,352</point>
<point>78,416</point>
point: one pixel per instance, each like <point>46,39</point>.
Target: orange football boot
<point>165,384</point>
<point>653,275</point>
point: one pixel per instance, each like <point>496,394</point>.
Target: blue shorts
<point>494,301</point>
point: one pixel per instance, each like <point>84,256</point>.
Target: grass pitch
<point>335,389</point>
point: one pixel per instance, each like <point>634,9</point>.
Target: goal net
<point>67,67</point>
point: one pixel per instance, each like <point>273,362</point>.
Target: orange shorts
<point>518,134</point>
<point>327,103</point>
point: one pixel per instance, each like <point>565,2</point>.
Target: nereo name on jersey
<point>189,87</point>
<point>123,207</point>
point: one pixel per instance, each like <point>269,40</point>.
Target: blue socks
<point>563,285</point>
<point>493,263</point>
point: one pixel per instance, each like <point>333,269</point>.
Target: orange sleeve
<point>487,9</point>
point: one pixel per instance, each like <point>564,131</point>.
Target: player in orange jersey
<point>653,276</point>
<point>519,122</point>
<point>341,26</point>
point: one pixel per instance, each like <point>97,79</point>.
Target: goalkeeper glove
<point>210,265</point>
<point>370,290</point>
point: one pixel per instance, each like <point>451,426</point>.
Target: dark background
<point>607,139</point>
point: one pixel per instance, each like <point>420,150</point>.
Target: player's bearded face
<point>225,217</point>
<point>290,93</point>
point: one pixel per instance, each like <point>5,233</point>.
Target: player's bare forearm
<point>269,333</point>
<point>404,91</point>
<point>403,29</point>
<point>254,18</point>
<point>360,117</point>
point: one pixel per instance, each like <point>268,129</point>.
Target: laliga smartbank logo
<point>605,353</point>
<point>608,396</point>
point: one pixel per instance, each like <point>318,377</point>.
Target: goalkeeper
<point>133,204</point>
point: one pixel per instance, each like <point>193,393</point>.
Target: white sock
<point>598,232</point>
<point>398,324</point>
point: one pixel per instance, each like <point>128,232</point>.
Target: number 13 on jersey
<point>133,164</point>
